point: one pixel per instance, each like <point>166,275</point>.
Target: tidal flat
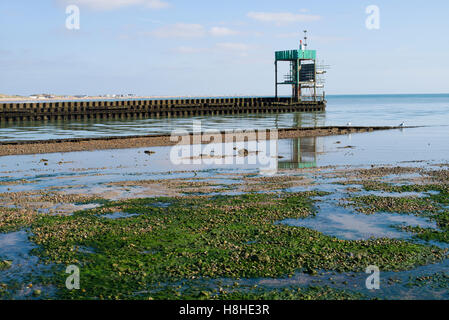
<point>138,226</point>
<point>307,232</point>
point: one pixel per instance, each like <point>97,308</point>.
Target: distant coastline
<point>6,98</point>
<point>58,98</point>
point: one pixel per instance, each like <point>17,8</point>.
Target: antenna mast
<point>305,39</point>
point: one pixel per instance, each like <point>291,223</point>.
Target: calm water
<point>426,110</point>
<point>428,143</point>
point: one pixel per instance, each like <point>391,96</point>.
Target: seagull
<point>349,124</point>
<point>402,124</point>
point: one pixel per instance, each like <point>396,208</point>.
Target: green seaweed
<point>371,204</point>
<point>204,238</point>
<point>15,219</point>
<point>5,264</point>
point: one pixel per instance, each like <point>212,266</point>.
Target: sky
<point>214,48</point>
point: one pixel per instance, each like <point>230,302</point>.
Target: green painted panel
<point>307,54</point>
<point>295,54</point>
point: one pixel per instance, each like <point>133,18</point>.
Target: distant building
<point>129,95</point>
<point>41,96</point>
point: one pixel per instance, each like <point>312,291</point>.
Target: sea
<point>357,110</point>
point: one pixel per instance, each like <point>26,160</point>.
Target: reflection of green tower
<point>297,120</point>
<point>305,120</point>
<point>303,154</point>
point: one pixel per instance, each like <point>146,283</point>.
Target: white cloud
<point>282,17</point>
<point>233,46</point>
<point>189,50</point>
<point>222,31</point>
<point>184,30</point>
<point>115,4</point>
<point>180,30</point>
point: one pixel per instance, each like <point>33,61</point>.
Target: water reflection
<point>60,129</point>
<point>375,110</point>
<point>303,153</point>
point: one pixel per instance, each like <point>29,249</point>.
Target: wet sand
<point>90,144</point>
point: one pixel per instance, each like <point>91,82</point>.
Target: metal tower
<point>303,72</point>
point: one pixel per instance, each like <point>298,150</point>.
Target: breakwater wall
<point>119,109</point>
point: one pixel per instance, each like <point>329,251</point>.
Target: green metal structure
<point>303,71</point>
<point>289,55</point>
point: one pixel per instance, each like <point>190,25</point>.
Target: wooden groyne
<point>119,109</point>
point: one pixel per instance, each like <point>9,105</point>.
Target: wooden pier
<point>121,109</point>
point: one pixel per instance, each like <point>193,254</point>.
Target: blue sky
<point>208,47</point>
